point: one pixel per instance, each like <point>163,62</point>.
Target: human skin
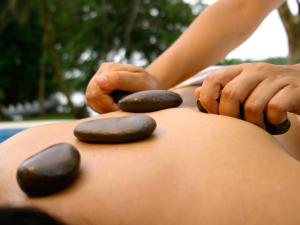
<point>263,89</point>
<point>214,33</point>
<point>195,169</point>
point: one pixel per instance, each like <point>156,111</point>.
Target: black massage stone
<point>116,130</point>
<point>49,171</point>
<point>117,95</point>
<point>149,101</point>
<point>278,128</point>
<point>200,107</point>
<point>271,128</point>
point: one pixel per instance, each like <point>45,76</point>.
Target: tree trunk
<point>104,30</point>
<point>42,86</point>
<point>291,24</point>
<point>130,25</point>
<point>54,56</point>
<point>2,114</point>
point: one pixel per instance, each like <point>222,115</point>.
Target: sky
<point>269,40</point>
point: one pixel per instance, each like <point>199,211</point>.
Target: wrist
<point>160,84</point>
<point>165,79</point>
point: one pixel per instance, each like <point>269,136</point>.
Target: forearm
<point>219,29</point>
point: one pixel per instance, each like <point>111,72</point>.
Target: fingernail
<point>102,81</point>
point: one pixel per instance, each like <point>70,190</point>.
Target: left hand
<point>264,89</point>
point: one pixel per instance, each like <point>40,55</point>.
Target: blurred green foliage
<point>85,33</point>
<point>274,60</point>
<point>79,35</point>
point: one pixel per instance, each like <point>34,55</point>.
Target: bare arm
<point>219,29</point>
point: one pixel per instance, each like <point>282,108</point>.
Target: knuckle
<point>252,108</point>
<point>273,79</point>
<point>115,78</point>
<point>211,80</point>
<point>260,66</point>
<point>230,93</point>
<point>205,101</point>
<point>293,87</point>
<point>207,79</point>
<point>89,98</point>
<point>275,107</point>
<point>105,65</point>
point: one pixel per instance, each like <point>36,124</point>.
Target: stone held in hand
<point>277,129</point>
<point>117,95</point>
<point>149,101</point>
<point>49,170</point>
<point>116,130</point>
<point>200,107</point>
<point>273,129</point>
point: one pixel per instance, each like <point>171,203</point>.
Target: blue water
<point>8,132</point>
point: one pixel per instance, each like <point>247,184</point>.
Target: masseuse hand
<point>112,76</point>
<point>262,87</point>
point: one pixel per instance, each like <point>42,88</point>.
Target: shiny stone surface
<point>149,101</point>
<point>116,130</point>
<point>49,170</point>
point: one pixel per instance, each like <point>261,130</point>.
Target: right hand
<point>115,76</point>
<point>264,90</point>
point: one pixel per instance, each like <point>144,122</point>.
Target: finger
<point>103,105</point>
<point>109,67</point>
<point>257,101</point>
<point>125,80</point>
<point>97,100</point>
<point>197,92</point>
<point>212,86</point>
<point>286,100</point>
<point>236,92</point>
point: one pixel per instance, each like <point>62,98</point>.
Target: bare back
<point>195,169</point>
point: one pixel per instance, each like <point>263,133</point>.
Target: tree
<point>66,40</point>
<point>291,23</point>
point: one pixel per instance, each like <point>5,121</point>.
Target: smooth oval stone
<point>116,130</point>
<point>49,171</point>
<point>271,128</point>
<point>149,101</point>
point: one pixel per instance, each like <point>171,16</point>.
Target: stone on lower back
<point>49,170</point>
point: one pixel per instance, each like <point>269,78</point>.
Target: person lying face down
<point>195,166</point>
